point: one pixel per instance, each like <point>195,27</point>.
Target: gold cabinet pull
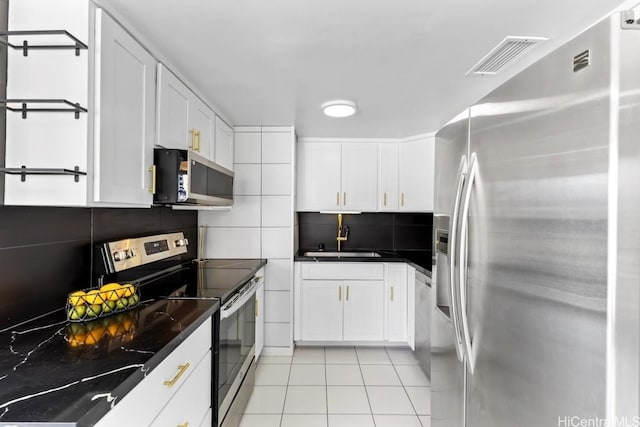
<point>199,140</point>
<point>193,133</point>
<point>185,424</point>
<point>385,198</point>
<point>402,199</point>
<point>152,169</point>
<point>181,370</point>
<point>347,292</point>
<point>344,199</point>
<point>392,293</point>
<point>340,293</point>
<point>338,198</point>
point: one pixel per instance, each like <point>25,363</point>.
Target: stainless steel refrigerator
<point>537,242</point>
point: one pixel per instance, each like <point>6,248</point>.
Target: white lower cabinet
<point>321,310</point>
<point>178,387</point>
<point>192,401</point>
<point>395,279</point>
<point>350,302</point>
<point>363,310</point>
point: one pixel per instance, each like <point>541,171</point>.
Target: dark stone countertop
<point>421,261</point>
<point>59,373</point>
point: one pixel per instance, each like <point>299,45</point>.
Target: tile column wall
<point>262,222</point>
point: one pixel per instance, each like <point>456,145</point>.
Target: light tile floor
<point>340,387</point>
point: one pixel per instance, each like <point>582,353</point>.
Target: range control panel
<point>128,253</point>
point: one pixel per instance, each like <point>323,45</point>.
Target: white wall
<point>261,222</point>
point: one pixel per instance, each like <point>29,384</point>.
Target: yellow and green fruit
<point>108,306</point>
<point>133,300</point>
<point>77,312</point>
<point>94,310</point>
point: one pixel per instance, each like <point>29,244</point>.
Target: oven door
<point>237,350</point>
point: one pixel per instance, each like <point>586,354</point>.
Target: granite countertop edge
<point>385,257</point>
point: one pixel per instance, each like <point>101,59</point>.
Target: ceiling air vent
<point>507,51</point>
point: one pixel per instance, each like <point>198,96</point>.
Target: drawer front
<point>142,404</point>
<point>343,270</point>
<point>192,401</point>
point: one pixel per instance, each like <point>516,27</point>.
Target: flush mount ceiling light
<point>339,108</point>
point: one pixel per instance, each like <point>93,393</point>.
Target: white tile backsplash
<point>277,180</point>
<point>247,147</point>
<point>277,335</point>
<point>244,213</point>
<point>232,243</point>
<point>277,211</point>
<point>277,306</point>
<point>279,275</point>
<point>277,243</point>
<point>277,147</point>
<point>246,181</point>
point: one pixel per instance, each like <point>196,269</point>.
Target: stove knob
<point>181,242</point>
<point>119,255</point>
<point>131,253</point>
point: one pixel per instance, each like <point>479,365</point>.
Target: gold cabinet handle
<point>185,424</point>
<point>392,293</point>
<point>344,199</point>
<point>340,293</point>
<point>347,292</point>
<point>181,370</point>
<point>193,133</point>
<point>199,140</point>
<point>338,198</point>
<point>402,199</point>
<point>152,169</point>
<point>385,198</point>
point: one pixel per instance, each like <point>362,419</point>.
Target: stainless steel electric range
<point>153,263</point>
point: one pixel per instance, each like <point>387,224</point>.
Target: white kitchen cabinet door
<point>173,111</point>
<point>322,310</point>
<point>359,176</point>
<point>125,119</point>
<point>259,320</point>
<point>388,198</point>
<point>202,121</point>
<point>395,281</point>
<point>223,144</point>
<point>364,310</point>
<point>415,176</point>
<point>319,176</point>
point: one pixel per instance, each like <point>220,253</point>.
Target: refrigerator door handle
<point>453,242</point>
<point>462,264</point>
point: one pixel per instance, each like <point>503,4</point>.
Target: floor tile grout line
<point>404,388</point>
<point>366,391</point>
<point>286,390</point>
<point>326,385</point>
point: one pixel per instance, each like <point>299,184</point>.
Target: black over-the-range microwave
<point>186,178</point>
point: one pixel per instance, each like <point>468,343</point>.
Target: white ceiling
<point>403,62</point>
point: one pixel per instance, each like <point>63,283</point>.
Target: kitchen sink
<point>319,254</point>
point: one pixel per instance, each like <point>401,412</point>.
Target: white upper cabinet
<point>125,116</point>
<point>202,123</point>
<point>359,176</point>
<point>388,197</point>
<point>319,171</point>
<point>334,176</point>
<point>187,123</point>
<point>366,176</point>
<point>173,111</point>
<point>415,175</point>
<point>184,121</point>
<point>224,144</point>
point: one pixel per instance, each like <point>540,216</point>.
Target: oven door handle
<point>230,309</point>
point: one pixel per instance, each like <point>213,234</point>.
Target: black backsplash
<point>409,234</point>
<point>46,252</point>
